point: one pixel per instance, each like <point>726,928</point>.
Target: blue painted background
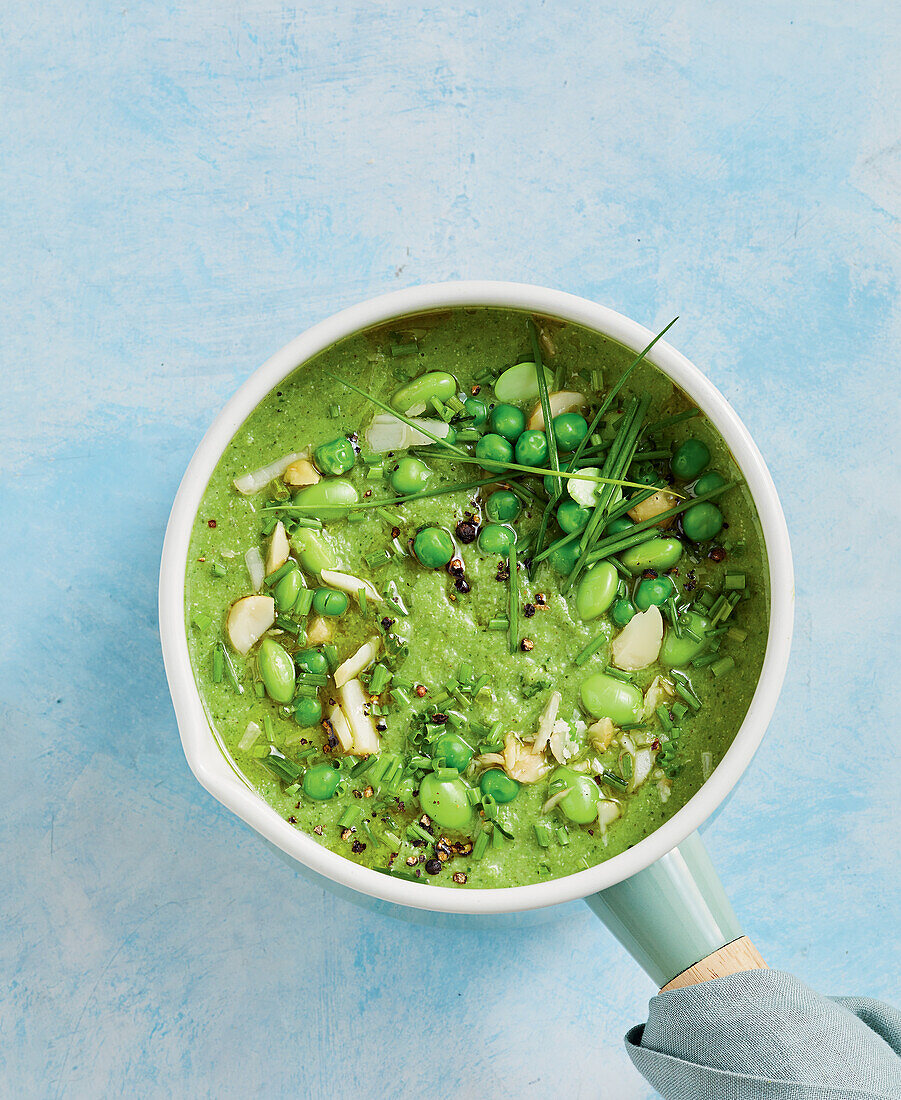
<point>186,187</point>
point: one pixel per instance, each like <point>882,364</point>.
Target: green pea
<point>335,457</point>
<point>520,383</point>
<point>451,751</point>
<point>311,660</point>
<point>580,805</point>
<point>569,430</point>
<point>433,547</point>
<point>328,497</point>
<point>679,651</point>
<point>477,409</point>
<point>508,421</point>
<point>308,711</point>
<point>596,591</point>
<point>690,457</point>
<point>494,538</point>
<point>445,801</point>
<point>710,481</point>
<point>411,475</point>
<point>330,602</point>
<point>320,782</point>
<point>418,393</point>
<point>493,451</point>
<point>702,521</point>
<point>312,550</point>
<point>276,670</point>
<point>503,506</point>
<point>605,696</point>
<point>551,483</point>
<point>564,558</point>
<point>287,590</point>
<point>622,612</point>
<point>498,785</point>
<point>659,553</point>
<point>618,525</point>
<point>653,591</point>
<point>572,517</point>
<point>531,449</point>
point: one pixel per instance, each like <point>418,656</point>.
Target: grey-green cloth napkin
<point>765,1035</point>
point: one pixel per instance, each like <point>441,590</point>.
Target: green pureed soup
<point>441,659</point>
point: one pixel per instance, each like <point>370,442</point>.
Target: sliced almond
<point>355,704</point>
<point>345,582</point>
<point>522,762</point>
<point>301,473</point>
<point>653,506</point>
<point>602,733</point>
<point>340,728</point>
<point>277,554</point>
<point>638,643</point>
<point>319,631</point>
<point>354,665</point>
<point>248,620</point>
<point>561,401</point>
<point>658,692</point>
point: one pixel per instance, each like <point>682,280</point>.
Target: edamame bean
<point>477,409</point>
<point>531,449</point>
<point>702,521</point>
<point>288,589</point>
<point>320,782</point>
<point>659,554</point>
<point>618,525</point>
<point>308,711</point>
<point>605,696</point>
<point>451,751</point>
<point>508,421</point>
<point>689,458</point>
<point>328,497</point>
<point>411,475</point>
<point>433,547</point>
<point>569,430</point>
<point>580,805</point>
<point>312,550</point>
<point>654,591</point>
<point>622,612</point>
<point>596,591</point>
<point>564,558</point>
<point>679,651</point>
<point>498,785</point>
<point>520,383</point>
<point>494,538</point>
<point>311,660</point>
<point>418,393</point>
<point>330,602</point>
<point>710,481</point>
<point>445,801</point>
<point>493,451</point>
<point>572,517</point>
<point>335,457</point>
<point>276,670</point>
<point>503,506</point>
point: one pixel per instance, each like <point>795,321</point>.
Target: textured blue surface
<point>185,188</point>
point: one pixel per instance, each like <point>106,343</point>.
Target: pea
<point>312,550</point>
<point>581,804</point>
<point>288,589</point>
<point>311,660</point>
<point>330,602</point>
<point>658,553</point>
<point>596,591</point>
<point>711,480</point>
<point>520,383</point>
<point>335,457</point>
<point>477,409</point>
<point>498,785</point>
<point>445,801</point>
<point>618,525</point>
<point>678,651</point>
<point>622,612</point>
<point>329,497</point>
<point>503,506</point>
<point>495,538</point>
<point>702,521</point>
<point>308,712</point>
<point>572,517</point>
<point>569,430</point>
<point>320,782</point>
<point>411,474</point>
<point>433,547</point>
<point>419,392</point>
<point>531,449</point>
<point>653,591</point>
<point>508,421</point>
<point>605,696</point>
<point>451,751</point>
<point>564,558</point>
<point>690,457</point>
<point>551,483</point>
<point>493,451</point>
<point>276,671</point>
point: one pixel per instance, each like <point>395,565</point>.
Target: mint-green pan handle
<point>672,914</point>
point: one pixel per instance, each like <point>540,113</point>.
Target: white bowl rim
<point>200,746</point>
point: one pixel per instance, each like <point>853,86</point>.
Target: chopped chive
<point>306,521</point>
<point>230,670</point>
<point>217,569</point>
<point>593,646</point>
<point>722,666</point>
<point>379,679</point>
<point>498,624</point>
<point>664,717</point>
<point>275,577</point>
<point>704,660</point>
<point>614,780</point>
<point>416,832</point>
<point>374,837</point>
<point>362,766</point>
<point>478,849</point>
<point>513,590</point>
<point>626,765</point>
<point>542,833</point>
<point>736,634</point>
<point>331,655</point>
<point>218,663</point>
<point>562,836</point>
<point>201,620</point>
<point>497,838</point>
<point>733,582</point>
<point>259,691</point>
<point>268,526</point>
<point>679,711</point>
<point>398,351</point>
<point>378,558</point>
<point>395,872</point>
<point>668,421</point>
<point>688,695</point>
<point>489,806</point>
<point>618,674</point>
<point>479,684</point>
<point>283,622</point>
<point>304,602</point>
